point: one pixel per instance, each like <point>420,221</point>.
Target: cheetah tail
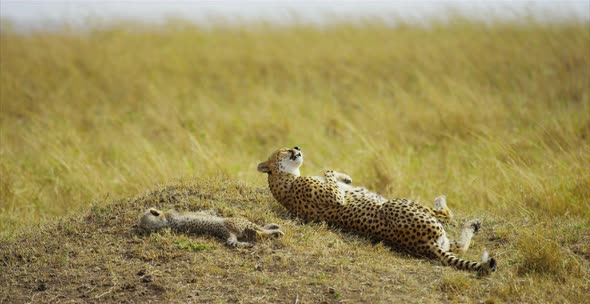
<point>485,267</point>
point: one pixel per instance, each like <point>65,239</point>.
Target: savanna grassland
<point>99,124</point>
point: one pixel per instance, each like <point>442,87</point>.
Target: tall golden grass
<point>496,116</point>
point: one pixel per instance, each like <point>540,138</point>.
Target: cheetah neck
<point>280,185</point>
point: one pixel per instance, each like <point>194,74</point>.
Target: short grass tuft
<point>183,243</point>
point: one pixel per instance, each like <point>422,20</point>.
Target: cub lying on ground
<point>237,232</point>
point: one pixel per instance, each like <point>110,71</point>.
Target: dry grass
<point>495,116</point>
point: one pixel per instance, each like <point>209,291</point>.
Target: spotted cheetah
<point>400,223</point>
<point>206,222</point>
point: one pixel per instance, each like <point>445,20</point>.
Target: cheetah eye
<point>297,148</point>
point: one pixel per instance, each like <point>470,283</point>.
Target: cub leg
<point>272,230</point>
<point>232,241</point>
<point>275,233</point>
<point>272,226</point>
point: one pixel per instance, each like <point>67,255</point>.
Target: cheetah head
<point>283,160</point>
<point>153,219</point>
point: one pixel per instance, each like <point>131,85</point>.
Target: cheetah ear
<point>264,167</point>
<point>154,212</point>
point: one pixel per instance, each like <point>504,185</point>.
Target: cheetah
<point>206,222</point>
<point>399,223</point>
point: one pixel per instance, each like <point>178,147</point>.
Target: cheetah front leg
<point>334,192</point>
<point>341,177</point>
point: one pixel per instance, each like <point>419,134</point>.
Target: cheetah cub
<point>237,232</point>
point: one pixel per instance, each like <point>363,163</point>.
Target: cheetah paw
<point>346,179</point>
<point>475,225</point>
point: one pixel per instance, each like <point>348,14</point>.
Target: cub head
<point>153,219</point>
<point>283,161</point>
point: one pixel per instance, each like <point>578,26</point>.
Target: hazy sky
<point>40,12</point>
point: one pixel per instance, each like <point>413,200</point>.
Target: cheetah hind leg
<point>440,203</point>
<point>441,210</point>
<point>462,244</point>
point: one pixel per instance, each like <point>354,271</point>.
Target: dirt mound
<point>100,255</point>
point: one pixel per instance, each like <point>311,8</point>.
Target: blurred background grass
<point>494,114</point>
